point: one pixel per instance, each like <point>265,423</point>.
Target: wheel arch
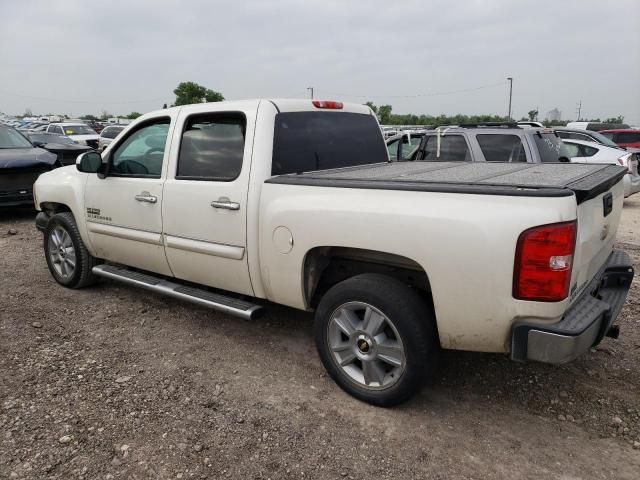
<point>326,266</point>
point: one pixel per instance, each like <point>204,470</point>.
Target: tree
<point>618,119</point>
<point>190,92</point>
<point>384,113</point>
<point>133,115</point>
<point>533,115</point>
<point>91,118</point>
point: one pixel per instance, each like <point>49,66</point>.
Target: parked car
<point>490,142</point>
<point>590,152</point>
<point>65,149</point>
<point>295,202</point>
<point>20,165</point>
<point>95,126</point>
<point>624,137</point>
<point>586,135</point>
<point>78,132</point>
<point>107,135</point>
<point>595,126</point>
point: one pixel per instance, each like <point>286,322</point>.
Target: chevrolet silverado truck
<point>233,205</point>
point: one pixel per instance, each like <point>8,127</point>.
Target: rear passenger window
<point>628,137</point>
<point>212,147</point>
<point>453,148</point>
<point>502,148</point>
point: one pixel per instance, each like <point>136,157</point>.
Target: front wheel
<point>69,261</point>
<point>377,338</point>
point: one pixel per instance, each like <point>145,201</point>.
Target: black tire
<point>413,320</point>
<point>82,274</point>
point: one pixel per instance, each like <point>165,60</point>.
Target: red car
<point>624,137</point>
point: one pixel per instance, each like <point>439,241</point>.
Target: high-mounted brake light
<point>544,258</point>
<point>328,104</point>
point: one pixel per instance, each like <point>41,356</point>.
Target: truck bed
<point>511,179</point>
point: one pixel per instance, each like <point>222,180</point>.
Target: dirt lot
<point>112,382</point>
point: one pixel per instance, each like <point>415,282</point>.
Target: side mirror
<point>89,162</point>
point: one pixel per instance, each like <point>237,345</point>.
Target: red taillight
<point>544,257</point>
<point>328,104</point>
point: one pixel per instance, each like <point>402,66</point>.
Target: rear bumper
<point>16,198</point>
<point>585,324</point>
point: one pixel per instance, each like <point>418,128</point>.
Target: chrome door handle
<point>146,197</point>
<point>226,204</point>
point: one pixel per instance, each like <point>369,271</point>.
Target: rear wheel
<point>376,338</point>
<point>69,261</point>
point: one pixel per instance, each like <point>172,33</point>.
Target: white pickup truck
<point>230,205</point>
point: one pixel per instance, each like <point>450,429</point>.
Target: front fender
<point>65,187</point>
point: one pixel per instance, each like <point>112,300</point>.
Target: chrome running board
<point>201,297</point>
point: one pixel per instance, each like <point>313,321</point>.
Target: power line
<point>434,94</point>
<point>158,99</point>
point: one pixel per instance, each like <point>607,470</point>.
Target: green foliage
<point>133,115</point>
<point>618,119</point>
<point>533,115</point>
<point>91,118</point>
<point>190,92</point>
<point>387,118</point>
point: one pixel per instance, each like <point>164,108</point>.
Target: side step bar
<point>201,297</point>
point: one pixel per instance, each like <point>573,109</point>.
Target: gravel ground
<point>111,382</point>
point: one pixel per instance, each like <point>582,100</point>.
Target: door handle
<point>226,204</point>
<point>146,197</point>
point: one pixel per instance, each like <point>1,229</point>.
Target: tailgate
<point>599,209</point>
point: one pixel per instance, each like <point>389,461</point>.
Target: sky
<point>419,56</point>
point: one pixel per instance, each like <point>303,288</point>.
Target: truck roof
<point>511,179</point>
<point>281,104</point>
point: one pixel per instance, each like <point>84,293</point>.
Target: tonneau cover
<point>521,179</point>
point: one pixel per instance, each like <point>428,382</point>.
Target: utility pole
<point>311,90</point>
<point>579,110</point>
<point>510,94</point>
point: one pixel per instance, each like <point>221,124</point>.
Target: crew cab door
<point>123,210</point>
<point>205,197</point>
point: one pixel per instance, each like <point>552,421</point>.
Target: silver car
<point>107,135</point>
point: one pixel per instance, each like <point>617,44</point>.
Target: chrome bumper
<point>584,325</point>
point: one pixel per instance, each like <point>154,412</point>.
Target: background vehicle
<point>403,145</point>
<point>295,202</point>
<point>107,135</point>
<point>590,152</point>
<point>20,165</point>
<point>585,135</point>
<point>78,132</point>
<point>595,126</point>
<point>62,146</point>
<point>626,138</point>
<point>490,142</point>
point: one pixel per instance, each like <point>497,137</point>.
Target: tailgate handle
<point>607,203</point>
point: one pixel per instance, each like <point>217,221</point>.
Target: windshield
<point>603,140</point>
<point>550,147</point>
<point>78,130</point>
<point>309,141</point>
<point>9,138</point>
<point>50,138</point>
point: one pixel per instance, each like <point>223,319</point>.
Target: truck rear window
<point>309,141</point>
